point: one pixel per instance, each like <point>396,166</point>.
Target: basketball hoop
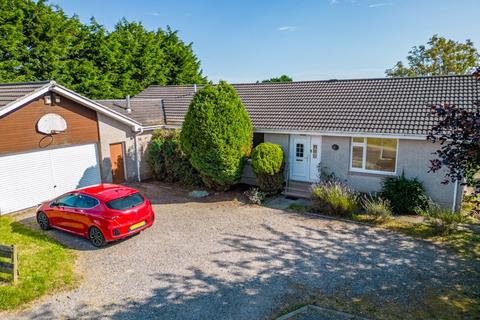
<point>51,123</point>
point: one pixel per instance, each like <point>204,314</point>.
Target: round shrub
<point>405,195</point>
<point>267,158</point>
<point>217,135</point>
<point>267,164</point>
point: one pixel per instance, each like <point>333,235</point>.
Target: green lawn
<point>44,265</point>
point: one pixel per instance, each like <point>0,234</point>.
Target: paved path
<point>226,260</point>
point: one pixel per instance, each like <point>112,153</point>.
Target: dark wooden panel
<point>6,251</point>
<point>18,129</point>
<point>6,267</point>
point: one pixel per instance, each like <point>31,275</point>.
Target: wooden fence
<point>9,252</point>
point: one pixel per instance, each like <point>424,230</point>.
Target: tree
<point>441,56</point>
<point>182,66</point>
<point>39,41</point>
<point>217,135</point>
<point>282,78</point>
<point>458,132</point>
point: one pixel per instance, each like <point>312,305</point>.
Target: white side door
<point>315,157</point>
<point>300,158</point>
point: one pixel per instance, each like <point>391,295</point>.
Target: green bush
<point>334,198</point>
<point>167,160</point>
<point>442,219</point>
<point>267,164</point>
<point>405,195</point>
<point>217,135</point>
<point>270,184</point>
<point>267,158</point>
<point>377,208</point>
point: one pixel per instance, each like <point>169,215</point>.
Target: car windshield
<point>125,203</point>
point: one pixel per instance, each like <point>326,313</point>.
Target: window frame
<point>364,157</point>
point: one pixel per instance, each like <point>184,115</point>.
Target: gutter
<point>342,134</point>
<point>161,126</point>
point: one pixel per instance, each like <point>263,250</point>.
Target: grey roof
<point>11,92</point>
<point>148,112</point>
<point>379,106</point>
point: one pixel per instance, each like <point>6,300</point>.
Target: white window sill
<point>371,173</point>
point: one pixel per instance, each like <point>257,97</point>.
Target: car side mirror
<point>54,204</point>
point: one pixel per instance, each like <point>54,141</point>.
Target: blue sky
<point>246,40</point>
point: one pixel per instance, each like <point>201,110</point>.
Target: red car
<point>101,213</point>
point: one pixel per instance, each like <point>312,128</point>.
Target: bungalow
<point>361,130</point>
<point>54,140</point>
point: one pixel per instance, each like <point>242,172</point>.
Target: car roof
<point>106,191</point>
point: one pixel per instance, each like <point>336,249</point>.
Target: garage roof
<point>10,92</point>
<point>15,95</point>
<point>397,106</point>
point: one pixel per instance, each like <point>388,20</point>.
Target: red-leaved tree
<point>458,131</point>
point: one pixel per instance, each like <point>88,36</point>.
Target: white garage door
<point>27,179</point>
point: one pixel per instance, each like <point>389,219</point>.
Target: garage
<point>50,143</point>
<point>30,178</point>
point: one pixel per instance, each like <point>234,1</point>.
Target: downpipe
<point>137,156</point>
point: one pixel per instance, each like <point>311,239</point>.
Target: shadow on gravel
<point>351,267</point>
<point>373,273</point>
<point>167,193</point>
<point>67,239</point>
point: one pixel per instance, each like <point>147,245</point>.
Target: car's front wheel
<point>43,221</point>
<point>96,237</point>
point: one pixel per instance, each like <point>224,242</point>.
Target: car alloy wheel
<point>43,221</point>
<point>96,237</point>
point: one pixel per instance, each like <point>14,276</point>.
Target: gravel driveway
<point>221,259</point>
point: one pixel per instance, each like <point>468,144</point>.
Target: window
<point>314,151</point>
<point>125,203</point>
<point>374,155</point>
<point>85,202</point>
<point>299,150</point>
<point>65,201</point>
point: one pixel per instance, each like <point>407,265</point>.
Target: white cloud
<point>287,28</point>
<point>377,5</point>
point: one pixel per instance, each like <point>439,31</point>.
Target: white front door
<point>300,158</point>
<point>305,157</point>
